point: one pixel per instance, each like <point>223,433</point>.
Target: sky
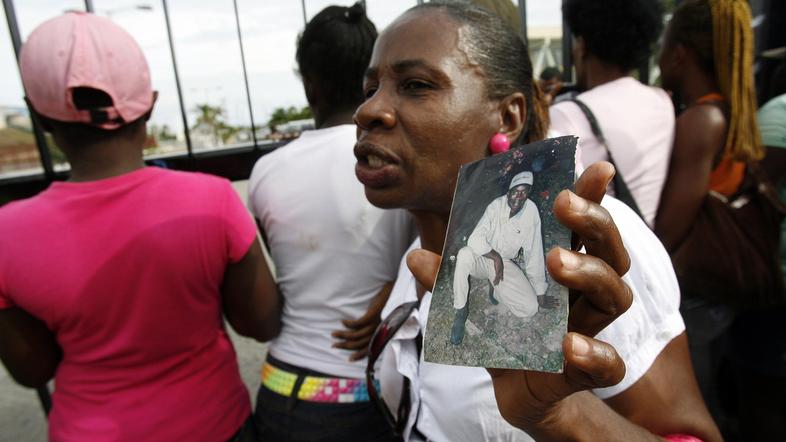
<point>207,48</point>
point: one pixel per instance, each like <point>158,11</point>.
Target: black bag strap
<point>621,190</point>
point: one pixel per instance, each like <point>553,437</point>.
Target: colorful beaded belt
<point>315,388</point>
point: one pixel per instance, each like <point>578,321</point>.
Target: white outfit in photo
<point>507,235</point>
<point>333,251</point>
<point>456,404</point>
<point>638,123</point>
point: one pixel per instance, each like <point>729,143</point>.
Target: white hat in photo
<point>521,178</point>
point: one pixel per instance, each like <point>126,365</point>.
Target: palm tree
<point>210,118</point>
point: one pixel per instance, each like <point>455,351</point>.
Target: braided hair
<point>719,32</point>
<point>334,50</point>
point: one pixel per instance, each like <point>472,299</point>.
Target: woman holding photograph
<point>444,79</point>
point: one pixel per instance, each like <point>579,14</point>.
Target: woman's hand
<point>535,401</point>
<point>358,332</point>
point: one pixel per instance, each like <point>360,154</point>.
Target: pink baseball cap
<point>82,50</point>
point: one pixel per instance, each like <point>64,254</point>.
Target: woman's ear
<point>311,90</point>
<point>150,112</point>
<point>513,115</point>
<point>579,50</point>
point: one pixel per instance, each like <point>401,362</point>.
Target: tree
<point>210,119</point>
<point>281,115</point>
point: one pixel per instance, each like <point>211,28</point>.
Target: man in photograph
<point>509,226</point>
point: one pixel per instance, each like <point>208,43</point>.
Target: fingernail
<point>569,260</point>
<point>577,203</point>
<point>580,346</point>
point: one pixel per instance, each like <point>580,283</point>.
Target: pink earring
<point>499,143</point>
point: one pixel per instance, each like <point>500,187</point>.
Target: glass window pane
<point>208,57</point>
<point>544,32</point>
<point>18,151</point>
<point>270,31</point>
<point>31,13</point>
<point>145,21</point>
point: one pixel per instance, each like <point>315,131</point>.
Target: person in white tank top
<point>335,254</point>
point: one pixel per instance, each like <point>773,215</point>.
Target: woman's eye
<point>369,92</point>
<point>416,85</point>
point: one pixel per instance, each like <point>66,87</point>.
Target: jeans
<point>708,325</point>
<point>281,418</point>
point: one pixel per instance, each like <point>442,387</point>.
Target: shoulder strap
<point>620,188</point>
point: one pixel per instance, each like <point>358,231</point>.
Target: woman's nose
<point>376,112</point>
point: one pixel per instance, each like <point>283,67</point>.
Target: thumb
<point>424,265</point>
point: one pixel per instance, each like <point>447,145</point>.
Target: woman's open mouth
<point>376,166</point>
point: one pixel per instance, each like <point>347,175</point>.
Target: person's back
<point>707,62</point>
<point>336,255</point>
<point>116,281</point>
<point>126,271</point>
<point>638,125</point>
<point>637,121</point>
<point>333,250</point>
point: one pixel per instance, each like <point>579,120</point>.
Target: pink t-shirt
<point>126,272</point>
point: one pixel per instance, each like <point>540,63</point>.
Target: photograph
<point>494,304</point>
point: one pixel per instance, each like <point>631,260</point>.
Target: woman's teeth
<point>375,162</point>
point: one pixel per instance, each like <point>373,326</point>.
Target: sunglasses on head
<point>379,340</point>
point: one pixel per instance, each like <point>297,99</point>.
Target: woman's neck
<point>432,228</point>
<point>599,73</point>
<point>332,119</point>
<point>90,163</point>
<point>696,85</point>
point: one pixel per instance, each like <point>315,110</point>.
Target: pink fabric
<point>78,49</point>
<point>126,271</point>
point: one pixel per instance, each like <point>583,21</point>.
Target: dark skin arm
<point>498,267</point>
<point>359,331</point>
<point>666,400</point>
<point>252,301</point>
<point>551,406</point>
<point>28,348</point>
<point>700,136</point>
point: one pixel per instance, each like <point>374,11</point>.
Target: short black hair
<point>619,32</point>
<point>550,73</point>
<point>334,51</point>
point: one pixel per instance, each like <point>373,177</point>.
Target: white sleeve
<point>654,319</point>
<point>256,198</point>
<point>478,240</point>
<point>536,265</point>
